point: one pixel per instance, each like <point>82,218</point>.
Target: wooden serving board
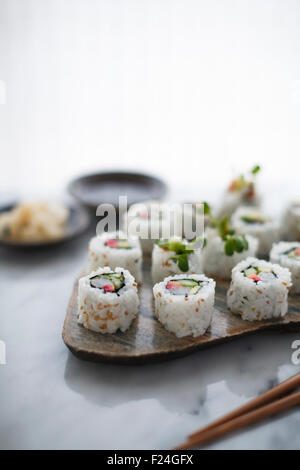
<point>147,340</point>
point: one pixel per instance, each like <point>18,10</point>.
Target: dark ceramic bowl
<point>105,188</point>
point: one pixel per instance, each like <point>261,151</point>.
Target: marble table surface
<point>51,400</point>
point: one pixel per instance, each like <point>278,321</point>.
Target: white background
<point>191,90</point>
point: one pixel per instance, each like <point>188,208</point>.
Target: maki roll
<point>290,224</point>
<point>175,256</point>
<point>107,300</point>
<point>184,303</point>
<point>287,254</point>
<point>150,220</point>
<point>114,249</point>
<point>223,251</point>
<point>248,220</point>
<point>259,290</point>
<point>196,216</point>
<point>242,191</point>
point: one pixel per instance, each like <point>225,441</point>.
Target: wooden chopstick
<point>242,421</point>
<point>279,390</point>
<point>257,404</point>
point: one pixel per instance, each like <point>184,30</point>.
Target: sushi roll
<point>248,220</point>
<point>175,256</point>
<point>259,290</point>
<point>287,254</point>
<point>107,300</point>
<point>151,220</point>
<point>219,257</point>
<point>242,191</point>
<point>114,249</point>
<point>184,303</point>
<point>195,216</point>
<point>290,224</point>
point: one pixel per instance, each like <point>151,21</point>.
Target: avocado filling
<point>108,282</point>
<point>184,287</point>
<point>293,253</point>
<point>118,243</point>
<point>258,274</point>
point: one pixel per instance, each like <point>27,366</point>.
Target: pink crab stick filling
<point>173,284</point>
<point>112,243</point>
<point>254,277</point>
<point>144,215</point>
<point>108,288</point>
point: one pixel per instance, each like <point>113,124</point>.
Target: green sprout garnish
<point>255,170</point>
<point>233,241</point>
<point>182,250</point>
<point>182,261</point>
<point>223,227</point>
<point>243,181</point>
<point>206,208</point>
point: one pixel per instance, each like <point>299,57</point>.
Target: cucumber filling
<point>258,274</point>
<point>118,243</point>
<point>293,253</point>
<point>184,287</point>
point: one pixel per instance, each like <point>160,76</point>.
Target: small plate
<point>105,188</point>
<point>78,222</point>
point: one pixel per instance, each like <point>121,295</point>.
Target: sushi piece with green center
<point>118,243</point>
<point>108,282</point>
<point>183,286</point>
<point>107,300</point>
<point>259,290</point>
<point>184,303</point>
<point>259,273</point>
<point>290,222</point>
<point>174,256</point>
<point>181,250</point>
<point>293,253</point>
<point>250,221</point>
<point>255,218</point>
<point>113,249</point>
<point>241,191</point>
<point>287,254</point>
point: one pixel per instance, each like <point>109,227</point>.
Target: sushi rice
<point>150,218</point>
<point>287,254</point>
<point>107,300</point>
<point>259,290</point>
<point>290,223</point>
<point>242,191</point>
<point>184,303</point>
<point>114,249</point>
<point>216,262</point>
<point>164,262</point>
<point>195,218</point>
<point>248,220</point>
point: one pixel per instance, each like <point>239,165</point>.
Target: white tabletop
<point>50,399</point>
